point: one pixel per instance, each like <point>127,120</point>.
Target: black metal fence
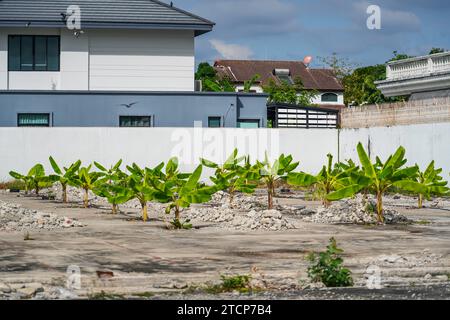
<point>293,116</point>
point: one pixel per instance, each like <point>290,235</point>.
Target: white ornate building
<point>419,78</point>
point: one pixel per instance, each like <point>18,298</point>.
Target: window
<point>33,120</point>
<point>135,121</point>
<point>248,124</point>
<point>214,122</point>
<point>33,53</point>
<point>284,75</point>
<point>329,97</point>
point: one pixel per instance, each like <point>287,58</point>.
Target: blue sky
<point>292,29</point>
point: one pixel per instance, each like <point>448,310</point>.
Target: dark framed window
<point>33,53</point>
<point>33,120</point>
<point>248,123</point>
<point>329,97</point>
<point>135,121</point>
<point>214,122</point>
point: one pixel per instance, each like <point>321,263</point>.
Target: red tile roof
<point>243,70</point>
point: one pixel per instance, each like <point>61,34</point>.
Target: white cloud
<point>230,50</point>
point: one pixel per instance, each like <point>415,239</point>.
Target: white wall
<point>142,60</point>
<point>21,148</point>
<point>423,143</point>
<point>133,60</point>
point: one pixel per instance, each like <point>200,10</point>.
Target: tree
<point>379,177</point>
<point>180,190</point>
<point>342,67</point>
<point>270,173</point>
<point>360,88</point>
<point>140,185</point>
<point>330,179</point>
<point>205,71</point>
<point>218,85</point>
<point>64,178</point>
<point>426,184</point>
<point>235,175</point>
<point>86,179</point>
<point>35,179</point>
<point>250,83</point>
<point>436,50</point>
<point>284,92</point>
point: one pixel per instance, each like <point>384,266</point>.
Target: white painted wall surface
<point>21,148</point>
<point>142,60</point>
<point>133,60</point>
<point>423,143</point>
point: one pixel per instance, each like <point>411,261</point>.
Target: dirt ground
<point>122,256</point>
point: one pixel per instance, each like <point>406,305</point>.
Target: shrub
<point>326,267</point>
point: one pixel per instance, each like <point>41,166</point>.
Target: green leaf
<point>301,179</point>
<point>55,166</point>
<point>365,161</point>
<point>344,193</point>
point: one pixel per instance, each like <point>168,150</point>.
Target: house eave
<point>405,87</point>
<point>199,29</point>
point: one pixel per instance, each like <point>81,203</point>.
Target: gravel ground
<point>14,217</point>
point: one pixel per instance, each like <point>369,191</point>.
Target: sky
<point>293,29</point>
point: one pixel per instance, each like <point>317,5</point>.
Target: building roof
<point>146,14</point>
<point>243,70</point>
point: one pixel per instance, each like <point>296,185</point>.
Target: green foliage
<point>13,185</point>
<point>436,50</point>
<point>337,178</point>
<point>35,178</point>
<point>341,67</point>
<point>180,190</point>
<point>205,71</point>
<point>270,173</point>
<point>177,224</point>
<point>250,83</point>
<point>378,177</point>
<point>425,184</point>
<point>289,93</point>
<point>86,180</point>
<point>235,175</point>
<point>360,88</point>
<point>326,267</point>
<point>218,85</point>
<point>140,182</point>
<point>237,282</point>
<point>64,178</point>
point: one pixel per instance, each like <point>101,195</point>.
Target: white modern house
<point>128,64</point>
<point>138,45</point>
<point>420,77</point>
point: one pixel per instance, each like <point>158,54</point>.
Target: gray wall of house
<point>102,109</point>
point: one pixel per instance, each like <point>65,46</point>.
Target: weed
<point>105,296</point>
<point>326,267</point>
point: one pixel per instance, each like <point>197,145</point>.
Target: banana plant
<point>116,194</point>
<point>65,177</point>
<point>330,179</point>
<point>235,175</point>
<point>380,177</point>
<point>113,174</point>
<point>140,184</point>
<point>270,173</point>
<point>86,180</point>
<point>426,184</point>
<point>21,177</point>
<point>35,178</point>
<point>180,190</point>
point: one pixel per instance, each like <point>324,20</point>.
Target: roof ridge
<point>183,11</point>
